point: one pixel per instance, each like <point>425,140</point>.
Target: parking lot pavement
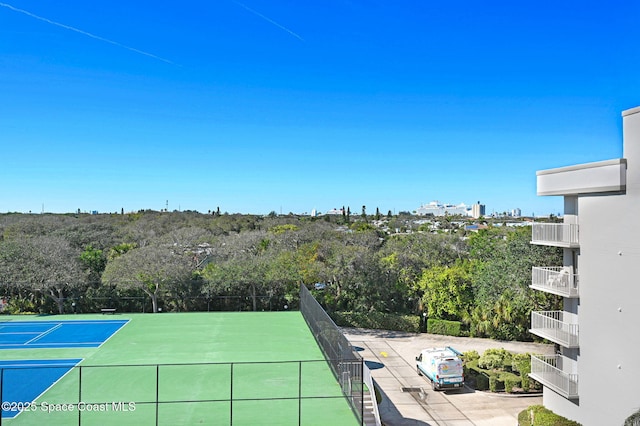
<point>408,398</point>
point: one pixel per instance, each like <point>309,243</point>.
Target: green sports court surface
<point>222,368</point>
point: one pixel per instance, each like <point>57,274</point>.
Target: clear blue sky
<point>281,105</point>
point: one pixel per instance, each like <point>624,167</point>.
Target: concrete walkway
<point>408,398</point>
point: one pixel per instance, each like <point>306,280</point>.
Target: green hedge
<point>474,373</point>
<point>542,417</point>
<point>499,370</point>
<point>448,328</point>
<point>482,382</point>
<point>377,320</point>
<point>510,381</point>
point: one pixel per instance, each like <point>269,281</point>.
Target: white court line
<point>43,334</point>
<point>52,385</point>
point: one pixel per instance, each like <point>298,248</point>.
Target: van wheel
<point>419,372</point>
<point>433,386</point>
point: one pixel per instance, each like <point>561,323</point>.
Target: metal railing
<point>347,365</point>
<point>549,324</point>
<point>547,369</point>
<point>555,234</point>
<point>368,380</point>
<point>558,280</point>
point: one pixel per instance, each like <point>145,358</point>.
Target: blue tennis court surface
<point>57,334</point>
<point>24,380</point>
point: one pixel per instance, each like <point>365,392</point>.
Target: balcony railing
<point>555,234</point>
<point>558,280</point>
<point>549,325</point>
<point>548,371</point>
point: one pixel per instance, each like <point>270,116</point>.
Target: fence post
<point>299,392</point>
<point>231,398</point>
<point>1,389</point>
<point>79,394</point>
<point>362,391</point>
<point>157,390</point>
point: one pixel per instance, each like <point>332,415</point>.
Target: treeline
<point>187,261</point>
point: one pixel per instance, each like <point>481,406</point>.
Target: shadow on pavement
<point>373,365</point>
<point>391,416</point>
<point>385,334</point>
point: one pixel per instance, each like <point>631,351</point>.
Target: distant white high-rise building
<point>435,208</point>
<point>478,210</point>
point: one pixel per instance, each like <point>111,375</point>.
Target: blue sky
<point>288,106</point>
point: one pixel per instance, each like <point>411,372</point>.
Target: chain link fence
<point>240,393</point>
<point>346,364</point>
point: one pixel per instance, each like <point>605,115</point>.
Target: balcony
<point>558,280</point>
<point>549,325</point>
<point>555,234</point>
<point>548,371</point>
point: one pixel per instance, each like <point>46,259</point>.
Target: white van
<point>443,366</point>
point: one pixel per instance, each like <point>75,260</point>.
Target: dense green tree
<point>94,260</point>
<point>44,264</point>
<point>246,257</point>
<point>502,279</point>
<point>447,291</point>
<point>152,269</point>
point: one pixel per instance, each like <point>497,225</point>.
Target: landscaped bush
<point>447,328</point>
<point>537,415</point>
<point>633,419</point>
<point>470,356</point>
<point>18,306</point>
<point>495,384</point>
<point>499,370</point>
<point>510,381</point>
<point>473,374</point>
<point>482,382</point>
<point>521,363</point>
<point>377,320</point>
<point>493,359</point>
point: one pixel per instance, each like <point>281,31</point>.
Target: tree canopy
<point>192,261</point>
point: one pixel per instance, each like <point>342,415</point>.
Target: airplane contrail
<point>70,28</point>
<point>245,7</point>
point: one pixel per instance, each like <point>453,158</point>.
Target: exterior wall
<point>609,305</point>
<point>609,309</point>
<point>591,178</point>
<point>477,210</point>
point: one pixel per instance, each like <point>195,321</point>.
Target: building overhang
<point>584,179</point>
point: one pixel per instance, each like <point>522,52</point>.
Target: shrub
<point>470,356</point>
<point>378,320</point>
<point>510,381</point>
<point>495,384</point>
<point>19,306</point>
<point>492,371</point>
<point>494,359</point>
<point>537,415</point>
<point>447,328</point>
<point>521,363</point>
<point>633,419</point>
<point>482,382</point>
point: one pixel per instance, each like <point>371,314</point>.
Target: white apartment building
<point>595,377</point>
<point>435,208</point>
<point>478,210</point>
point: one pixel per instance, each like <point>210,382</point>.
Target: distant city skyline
<point>515,212</point>
<point>267,106</point>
